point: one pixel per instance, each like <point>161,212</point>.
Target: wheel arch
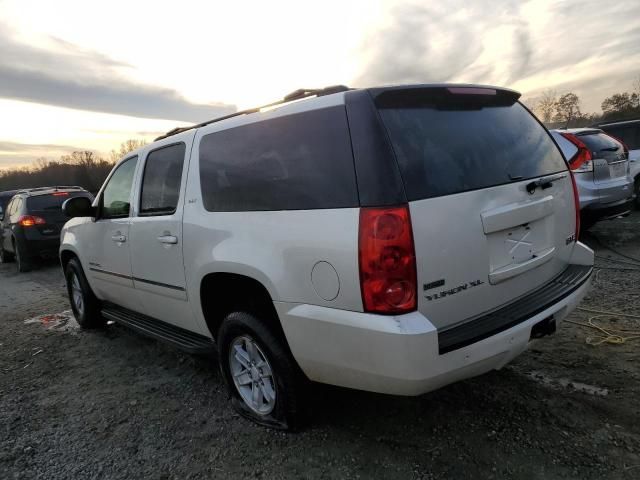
<point>224,292</point>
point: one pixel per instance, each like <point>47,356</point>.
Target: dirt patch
<point>113,404</point>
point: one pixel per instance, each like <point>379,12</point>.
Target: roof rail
<point>295,95</point>
<point>53,187</point>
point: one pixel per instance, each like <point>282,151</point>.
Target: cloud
<point>583,45</point>
<point>66,75</point>
<point>16,154</point>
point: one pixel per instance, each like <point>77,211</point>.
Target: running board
<point>178,337</point>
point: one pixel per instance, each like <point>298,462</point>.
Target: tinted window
<point>52,201</point>
<point>443,151</point>
<point>116,195</point>
<point>602,145</point>
<point>161,181</point>
<point>629,134</point>
<point>300,161</point>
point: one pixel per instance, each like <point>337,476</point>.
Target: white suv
<point>388,239</point>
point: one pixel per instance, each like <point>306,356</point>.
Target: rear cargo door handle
<point>118,238</point>
<point>170,239</point>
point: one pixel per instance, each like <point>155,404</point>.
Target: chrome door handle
<point>119,238</point>
<point>170,239</point>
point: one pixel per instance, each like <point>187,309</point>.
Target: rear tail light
<point>60,194</point>
<point>581,161</point>
<point>31,220</point>
<point>387,260</point>
<point>576,203</point>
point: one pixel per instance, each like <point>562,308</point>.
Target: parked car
<point>30,227</point>
<point>600,165</point>
<point>628,132</point>
<point>389,239</point>
<point>5,197</point>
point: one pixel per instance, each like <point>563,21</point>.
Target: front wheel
<point>262,378</point>
<point>84,304</point>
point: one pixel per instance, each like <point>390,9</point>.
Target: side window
<point>161,180</point>
<point>296,162</point>
<point>116,196</point>
<point>15,206</point>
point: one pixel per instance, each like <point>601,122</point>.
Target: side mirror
<point>78,207</point>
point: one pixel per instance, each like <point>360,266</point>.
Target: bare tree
<point>126,147</point>
<point>546,105</point>
<point>636,91</point>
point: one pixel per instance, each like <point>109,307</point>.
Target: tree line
<point>82,168</point>
<point>563,110</point>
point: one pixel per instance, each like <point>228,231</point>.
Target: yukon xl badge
<point>450,291</point>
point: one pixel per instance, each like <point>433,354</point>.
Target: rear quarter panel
<point>277,248</point>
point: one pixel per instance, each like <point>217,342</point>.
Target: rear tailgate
<point>484,234</point>
<point>610,160</point>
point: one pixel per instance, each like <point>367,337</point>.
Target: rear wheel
<point>84,304</point>
<point>23,262</point>
<point>262,378</point>
<point>5,257</point>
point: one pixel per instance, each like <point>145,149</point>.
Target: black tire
<point>23,262</point>
<point>636,190</point>
<point>290,384</point>
<point>87,314</point>
<point>5,257</point>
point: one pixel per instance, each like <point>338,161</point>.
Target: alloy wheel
<point>252,375</point>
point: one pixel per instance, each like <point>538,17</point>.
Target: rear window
<point>447,149</point>
<point>297,162</point>
<point>629,134</point>
<point>600,144</point>
<point>52,201</point>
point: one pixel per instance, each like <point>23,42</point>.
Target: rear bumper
<point>39,247</point>
<point>598,195</point>
<point>401,354</point>
<point>599,211</point>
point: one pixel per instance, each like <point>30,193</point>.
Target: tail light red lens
<point>581,161</point>
<point>60,194</point>
<point>31,220</point>
<point>576,202</point>
<point>387,260</point>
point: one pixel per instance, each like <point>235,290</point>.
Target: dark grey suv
<point>31,223</point>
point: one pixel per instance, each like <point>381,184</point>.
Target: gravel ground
<point>113,404</point>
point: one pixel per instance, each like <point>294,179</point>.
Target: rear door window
<point>301,161</point>
<point>445,149</point>
<point>161,181</point>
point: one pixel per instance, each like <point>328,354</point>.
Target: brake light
<point>387,260</point>
<point>582,160</point>
<point>60,194</point>
<point>31,220</point>
<point>576,203</point>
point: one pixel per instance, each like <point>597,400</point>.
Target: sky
<point>78,75</point>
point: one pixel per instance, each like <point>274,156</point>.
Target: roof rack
<point>53,187</point>
<point>295,95</point>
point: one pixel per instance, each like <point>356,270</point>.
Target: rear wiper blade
<point>609,149</point>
